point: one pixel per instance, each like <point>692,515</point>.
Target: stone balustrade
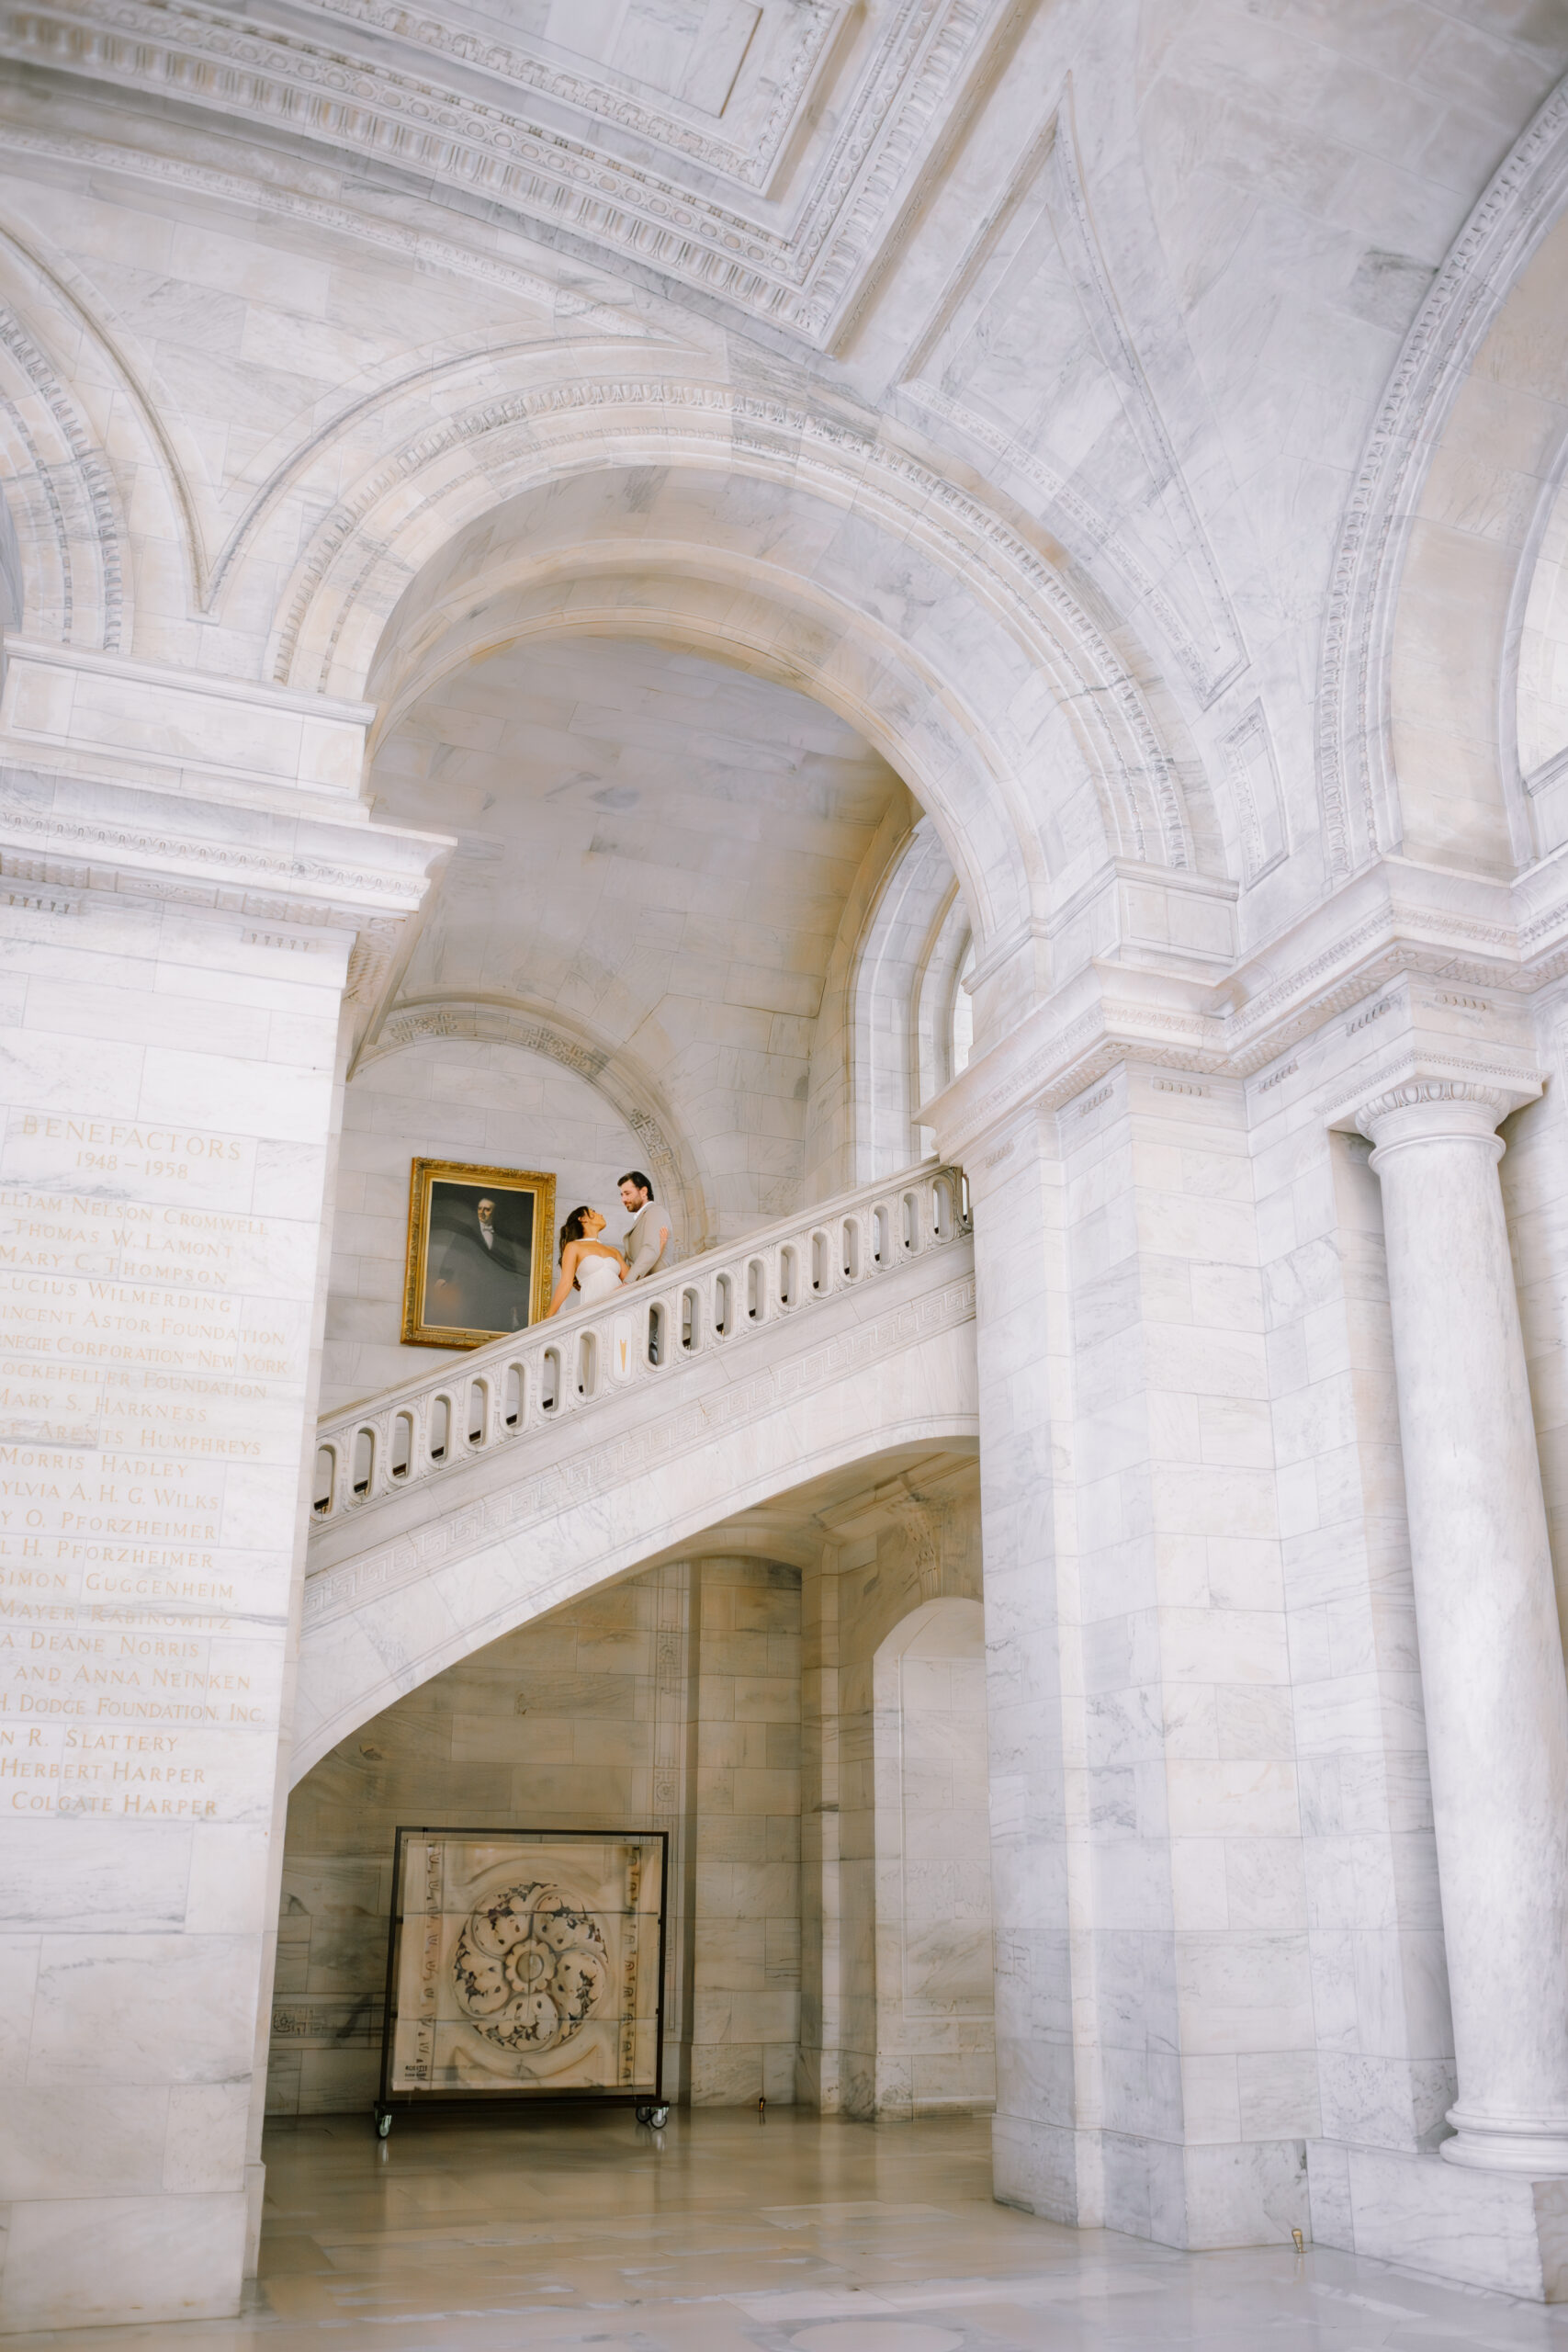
<point>528,1382</point>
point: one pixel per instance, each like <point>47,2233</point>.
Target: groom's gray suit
<point>645,1241</point>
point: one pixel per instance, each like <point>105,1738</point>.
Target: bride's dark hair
<point>572,1229</point>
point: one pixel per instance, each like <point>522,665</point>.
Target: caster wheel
<point>657,2117</point>
<point>383,2125</point>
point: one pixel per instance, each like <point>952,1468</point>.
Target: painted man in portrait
<point>480,1278</point>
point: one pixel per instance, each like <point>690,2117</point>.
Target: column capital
<point>1421,1109</point>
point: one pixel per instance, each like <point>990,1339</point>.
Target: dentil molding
<point>348,97</point>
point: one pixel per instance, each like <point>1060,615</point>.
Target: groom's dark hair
<point>635,1176</point>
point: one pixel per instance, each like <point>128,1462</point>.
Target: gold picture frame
<point>452,1273</point>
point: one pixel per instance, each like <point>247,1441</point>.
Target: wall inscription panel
<point>155,1337</point>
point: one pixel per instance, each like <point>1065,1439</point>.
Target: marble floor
<point>731,2234</point>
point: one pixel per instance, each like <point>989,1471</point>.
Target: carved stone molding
<point>353,557</point>
<point>1525,196</point>
<point>62,499</point>
<point>636,110</point>
<point>164,863</point>
<point>1437,1097</point>
<point>350,98</point>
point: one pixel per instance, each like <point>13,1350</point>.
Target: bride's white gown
<point>598,1278</point>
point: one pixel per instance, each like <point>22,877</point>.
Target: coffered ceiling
<point>762,150</point>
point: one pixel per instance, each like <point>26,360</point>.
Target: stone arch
<point>402,1607</point>
<point>680,595</point>
<point>897,998</point>
<point>1418,728</point>
<point>66,387</point>
<point>823,549</point>
<point>72,564</point>
<point>669,1159</point>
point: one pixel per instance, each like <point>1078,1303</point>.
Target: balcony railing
<point>528,1381</point>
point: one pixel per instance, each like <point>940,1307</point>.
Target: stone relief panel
<point>524,1964</point>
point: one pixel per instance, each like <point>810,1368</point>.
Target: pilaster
<point>1167,1891</point>
<point>174,958</point>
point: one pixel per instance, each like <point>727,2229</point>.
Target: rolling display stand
<point>526,1967</point>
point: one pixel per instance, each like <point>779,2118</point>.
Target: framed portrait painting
<point>481,1247</point>
<point>525,1963</point>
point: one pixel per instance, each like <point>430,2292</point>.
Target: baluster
<point>439,1429</point>
<point>323,1493</point>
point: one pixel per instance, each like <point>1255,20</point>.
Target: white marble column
<point>1492,1666</point>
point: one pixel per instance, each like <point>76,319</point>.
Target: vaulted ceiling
<point>655,852</point>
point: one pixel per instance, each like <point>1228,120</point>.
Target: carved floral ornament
<point>530,1968</point>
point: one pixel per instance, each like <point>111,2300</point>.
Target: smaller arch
<point>903,995</point>
<point>71,563</point>
<point>668,1157</point>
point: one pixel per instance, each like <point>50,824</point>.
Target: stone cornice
<point>622,109</point>
<point>83,835</point>
<point>1393,921</point>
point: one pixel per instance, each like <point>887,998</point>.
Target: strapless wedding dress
<point>598,1278</point>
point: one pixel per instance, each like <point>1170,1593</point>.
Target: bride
<point>587,1264</point>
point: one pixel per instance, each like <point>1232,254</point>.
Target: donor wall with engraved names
<point>169,1066</point>
<point>152,1341</point>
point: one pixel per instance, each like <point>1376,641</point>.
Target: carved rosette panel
<point>530,1968</point>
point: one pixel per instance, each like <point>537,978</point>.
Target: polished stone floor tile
<point>728,2234</point>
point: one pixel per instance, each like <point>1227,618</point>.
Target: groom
<point>648,1237</point>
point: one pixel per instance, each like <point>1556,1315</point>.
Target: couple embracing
<point>590,1267</point>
